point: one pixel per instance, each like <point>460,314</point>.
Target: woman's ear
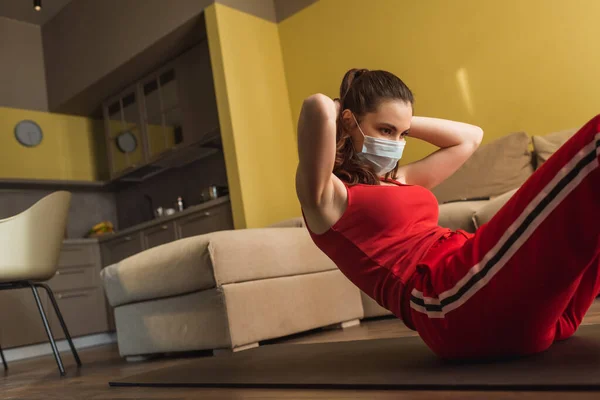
<point>348,122</point>
<point>350,125</point>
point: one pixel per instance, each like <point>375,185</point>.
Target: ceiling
<point>22,10</point>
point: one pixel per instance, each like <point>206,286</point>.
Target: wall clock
<point>28,133</point>
<point>126,142</point>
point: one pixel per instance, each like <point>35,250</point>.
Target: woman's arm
<point>457,142</point>
<point>316,150</point>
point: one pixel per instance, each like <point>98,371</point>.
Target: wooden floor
<point>39,378</point>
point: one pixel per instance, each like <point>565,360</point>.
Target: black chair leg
<point>3,359</point>
<point>47,327</point>
<point>61,320</point>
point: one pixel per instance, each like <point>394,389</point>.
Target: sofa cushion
<point>492,170</point>
<point>251,254</point>
<point>485,213</point>
<point>206,261</point>
<point>459,215</point>
<point>545,146</point>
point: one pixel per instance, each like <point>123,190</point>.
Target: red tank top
<point>381,237</point>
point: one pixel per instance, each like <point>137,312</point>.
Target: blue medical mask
<point>382,154</point>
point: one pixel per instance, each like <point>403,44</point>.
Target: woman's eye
<point>386,131</point>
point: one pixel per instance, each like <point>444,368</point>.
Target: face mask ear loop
<point>357,124</point>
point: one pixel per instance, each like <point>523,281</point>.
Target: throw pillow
<point>492,170</point>
<point>545,146</point>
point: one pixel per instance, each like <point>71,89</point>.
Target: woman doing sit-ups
<point>521,282</point>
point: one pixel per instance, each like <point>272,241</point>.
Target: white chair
<point>31,243</point>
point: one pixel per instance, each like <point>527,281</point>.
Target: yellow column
<point>255,117</point>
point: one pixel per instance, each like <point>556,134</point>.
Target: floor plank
<point>38,378</point>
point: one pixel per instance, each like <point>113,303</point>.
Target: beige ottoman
<point>226,290</point>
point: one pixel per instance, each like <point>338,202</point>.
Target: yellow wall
<point>504,65</point>
<point>255,117</point>
<point>69,149</point>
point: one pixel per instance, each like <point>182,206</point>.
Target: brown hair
<point>361,92</point>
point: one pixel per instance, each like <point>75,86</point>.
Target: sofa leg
<point>349,324</point>
<point>221,352</point>
<point>133,359</point>
<point>344,325</point>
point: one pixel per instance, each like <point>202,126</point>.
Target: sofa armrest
<point>459,215</point>
<point>297,222</point>
<point>166,270</point>
<point>211,260</point>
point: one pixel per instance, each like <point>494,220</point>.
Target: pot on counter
<point>214,191</point>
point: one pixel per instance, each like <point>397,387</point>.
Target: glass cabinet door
<point>162,113</point>
<point>125,142</point>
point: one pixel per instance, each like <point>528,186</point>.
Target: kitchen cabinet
<point>20,320</point>
<point>164,118</point>
<point>85,312</point>
<point>214,219</point>
<point>78,292</point>
<point>76,255</point>
<point>161,234</point>
<point>197,94</point>
<point>162,115</point>
<point>117,249</point>
<point>124,134</point>
<point>209,217</point>
<point>82,276</point>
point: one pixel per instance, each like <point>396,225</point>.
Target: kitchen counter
<point>80,241</point>
<point>156,221</point>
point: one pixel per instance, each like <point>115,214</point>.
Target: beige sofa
<point>234,289</point>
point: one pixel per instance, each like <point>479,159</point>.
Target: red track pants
<point>526,278</point>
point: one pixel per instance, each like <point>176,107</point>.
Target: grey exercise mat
<point>399,363</point>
